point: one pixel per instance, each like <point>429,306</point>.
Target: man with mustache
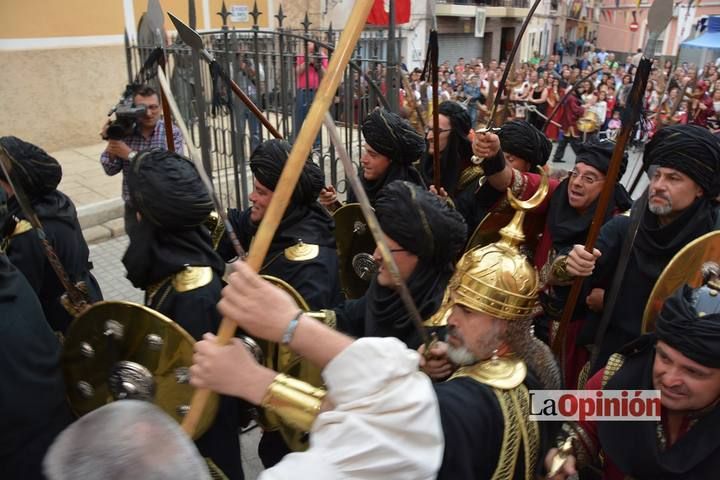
<point>683,162</point>
<point>681,360</point>
<point>483,406</point>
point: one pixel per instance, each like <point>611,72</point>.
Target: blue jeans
<point>303,100</point>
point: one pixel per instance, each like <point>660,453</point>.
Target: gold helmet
<point>498,279</point>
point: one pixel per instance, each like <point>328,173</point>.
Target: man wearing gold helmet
<point>377,395</point>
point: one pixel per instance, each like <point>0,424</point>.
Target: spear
<point>658,18</point>
<point>290,174</point>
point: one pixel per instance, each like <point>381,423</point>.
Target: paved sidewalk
<point>95,194</point>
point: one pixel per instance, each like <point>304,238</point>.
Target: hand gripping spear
<point>290,174</point>
<point>658,18</point>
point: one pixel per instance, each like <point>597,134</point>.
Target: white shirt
<point>385,424</point>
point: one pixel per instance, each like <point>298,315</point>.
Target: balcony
<point>493,8</point>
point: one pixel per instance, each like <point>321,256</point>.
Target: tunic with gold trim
<point>302,253</point>
<point>484,411</point>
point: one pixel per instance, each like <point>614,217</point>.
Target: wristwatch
<point>132,155</point>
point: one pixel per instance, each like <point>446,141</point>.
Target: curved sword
<point>509,65</point>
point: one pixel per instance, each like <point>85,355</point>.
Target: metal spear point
<point>193,39</point>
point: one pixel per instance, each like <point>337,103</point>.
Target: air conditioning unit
<point>480,17</point>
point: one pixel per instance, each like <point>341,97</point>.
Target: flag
<point>380,12</point>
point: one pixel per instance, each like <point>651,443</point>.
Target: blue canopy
<point>704,48</point>
<point>708,40</point>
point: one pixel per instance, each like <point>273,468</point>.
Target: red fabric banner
<point>379,14</point>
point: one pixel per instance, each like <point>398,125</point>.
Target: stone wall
<point>59,98</point>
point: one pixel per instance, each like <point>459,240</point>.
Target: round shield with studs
<point>122,350</point>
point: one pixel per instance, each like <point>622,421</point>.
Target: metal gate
<point>262,63</point>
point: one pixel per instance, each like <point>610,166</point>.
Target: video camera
<point>126,115</point>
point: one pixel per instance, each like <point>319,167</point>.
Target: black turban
<point>523,140</point>
<point>694,335</point>
<point>36,172</point>
<point>390,135</point>
<point>598,155</point>
<point>690,149</point>
<point>167,190</point>
<point>458,115</point>
<point>268,161</point>
<point>420,222</point>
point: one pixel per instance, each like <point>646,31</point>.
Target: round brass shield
<point>589,122</point>
<point>683,268</point>
<point>283,360</point>
<point>118,350</point>
<point>352,237</point>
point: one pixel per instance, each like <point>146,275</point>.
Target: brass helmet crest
<point>497,279</point>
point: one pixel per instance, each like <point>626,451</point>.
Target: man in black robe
<point>454,127</point>
<point>681,360</point>
<point>425,237</point>
<point>391,147</point>
<point>171,257</point>
<point>684,163</point>
<point>38,175</point>
<point>32,391</point>
<point>524,148</point>
<point>302,252</point>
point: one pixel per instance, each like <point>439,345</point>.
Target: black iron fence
<point>279,70</point>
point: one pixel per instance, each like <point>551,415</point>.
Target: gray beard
<point>461,356</point>
<point>661,210</point>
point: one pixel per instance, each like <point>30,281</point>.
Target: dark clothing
<point>396,171</point>
<point>382,313</point>
<point>473,427</point>
<point>633,446</point>
<point>32,391</point>
<point>59,220</point>
<point>156,255</point>
<point>316,279</point>
<point>654,247</point>
<point>475,202</point>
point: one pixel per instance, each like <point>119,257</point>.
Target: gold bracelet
<point>296,403</point>
<point>559,270</point>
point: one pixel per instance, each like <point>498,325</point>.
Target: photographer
<point>145,131</point>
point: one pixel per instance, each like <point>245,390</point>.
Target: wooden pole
<point>291,173</point>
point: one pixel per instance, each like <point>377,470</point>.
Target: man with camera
<point>137,127</point>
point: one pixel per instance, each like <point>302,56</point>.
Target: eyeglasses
<point>587,179</point>
<point>429,129</point>
<point>395,250</point>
